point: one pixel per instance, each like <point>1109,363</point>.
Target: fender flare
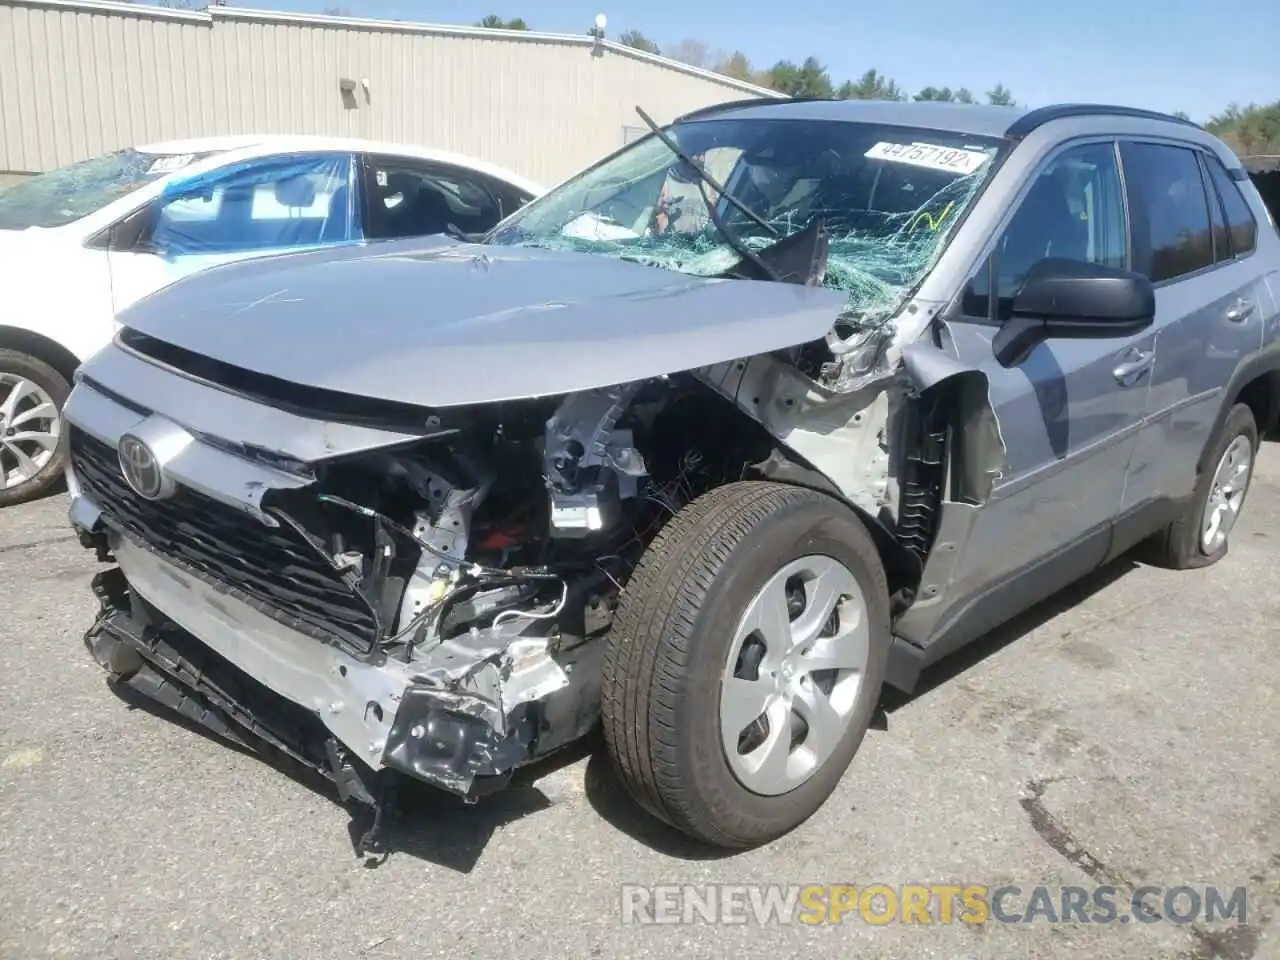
<point>1265,366</point>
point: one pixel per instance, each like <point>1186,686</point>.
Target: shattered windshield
<point>68,193</point>
<point>888,197</point>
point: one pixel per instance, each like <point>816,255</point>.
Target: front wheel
<point>32,443</point>
<point>746,661</point>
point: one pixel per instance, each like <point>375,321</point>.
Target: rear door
<point>1069,413</point>
<point>253,208</point>
<point>406,197</point>
<point>1194,237</point>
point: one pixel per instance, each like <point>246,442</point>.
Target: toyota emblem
<point>141,469</point>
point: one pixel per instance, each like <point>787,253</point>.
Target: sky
<point>1161,54</point>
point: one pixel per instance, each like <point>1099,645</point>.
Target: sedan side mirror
<point>131,235</point>
<point>1070,299</point>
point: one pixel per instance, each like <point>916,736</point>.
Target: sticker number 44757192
<point>951,159</point>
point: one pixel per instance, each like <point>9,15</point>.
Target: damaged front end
<point>430,605</point>
<point>434,605</point>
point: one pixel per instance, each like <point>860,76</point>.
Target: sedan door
<point>1069,412</point>
<point>256,207</point>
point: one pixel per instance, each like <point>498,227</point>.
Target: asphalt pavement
<point>1126,734</point>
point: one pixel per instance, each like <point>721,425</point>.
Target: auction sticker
<point>170,163</point>
<point>951,159</point>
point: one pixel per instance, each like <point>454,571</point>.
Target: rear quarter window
<point>1242,228</point>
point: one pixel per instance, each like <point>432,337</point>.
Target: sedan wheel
<point>32,441</point>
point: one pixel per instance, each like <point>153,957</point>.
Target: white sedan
<point>80,243</point>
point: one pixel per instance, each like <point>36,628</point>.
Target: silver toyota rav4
<point>765,411</point>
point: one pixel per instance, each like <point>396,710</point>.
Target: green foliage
<point>810,79</point>
<point>872,85</point>
<point>999,96</point>
<point>495,22</point>
<point>636,39</point>
<point>1252,131</point>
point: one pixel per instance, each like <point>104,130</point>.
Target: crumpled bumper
<point>249,679</point>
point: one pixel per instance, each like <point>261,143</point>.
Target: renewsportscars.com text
<point>879,904</point>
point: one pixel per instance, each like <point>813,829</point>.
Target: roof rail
<point>703,112</point>
<point>1033,119</point>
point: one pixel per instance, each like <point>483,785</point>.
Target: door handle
<point>1240,311</point>
<point>1131,371</point>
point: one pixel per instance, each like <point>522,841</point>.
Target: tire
<point>1180,545</point>
<point>16,366</point>
<point>669,647</point>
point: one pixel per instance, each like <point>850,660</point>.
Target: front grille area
<point>273,569</point>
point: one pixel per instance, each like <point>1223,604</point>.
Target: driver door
<point>256,208</point>
<point>1069,413</point>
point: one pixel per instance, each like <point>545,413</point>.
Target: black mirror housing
<point>1071,299</point>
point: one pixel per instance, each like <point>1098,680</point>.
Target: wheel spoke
<point>767,617</point>
<point>826,725</point>
<point>770,760</point>
<point>741,703</point>
<point>27,467</point>
<point>846,649</point>
<point>46,440</point>
<point>41,411</point>
<point>822,593</point>
<point>17,392</point>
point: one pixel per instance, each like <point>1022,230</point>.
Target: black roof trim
<point>704,112</point>
<point>1034,119</point>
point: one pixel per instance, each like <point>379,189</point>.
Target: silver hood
<point>437,323</point>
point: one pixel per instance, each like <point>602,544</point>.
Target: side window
<point>1169,210</point>
<point>404,198</point>
<point>1074,210</point>
<point>1241,225</point>
<point>264,204</point>
<point>1217,220</point>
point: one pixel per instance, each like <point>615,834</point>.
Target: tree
<point>336,12</point>
<point>1181,115</point>
<point>872,85</point>
<point>637,40</point>
<point>810,79</point>
<point>1250,131</point>
<point>737,65</point>
<point>965,95</point>
<point>693,52</point>
<point>942,94</point>
<point>495,22</point>
<point>999,96</point>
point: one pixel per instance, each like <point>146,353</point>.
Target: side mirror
<point>1073,300</point>
<point>130,235</point>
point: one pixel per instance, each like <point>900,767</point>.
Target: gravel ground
<point>1124,734</point>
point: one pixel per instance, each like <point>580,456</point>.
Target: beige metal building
<point>80,77</point>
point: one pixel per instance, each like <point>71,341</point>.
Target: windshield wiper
<point>732,238</point>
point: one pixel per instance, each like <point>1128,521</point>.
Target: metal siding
<point>81,78</point>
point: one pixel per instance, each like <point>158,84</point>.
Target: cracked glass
<point>888,197</point>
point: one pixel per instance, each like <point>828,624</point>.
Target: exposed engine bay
<point>443,537</point>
